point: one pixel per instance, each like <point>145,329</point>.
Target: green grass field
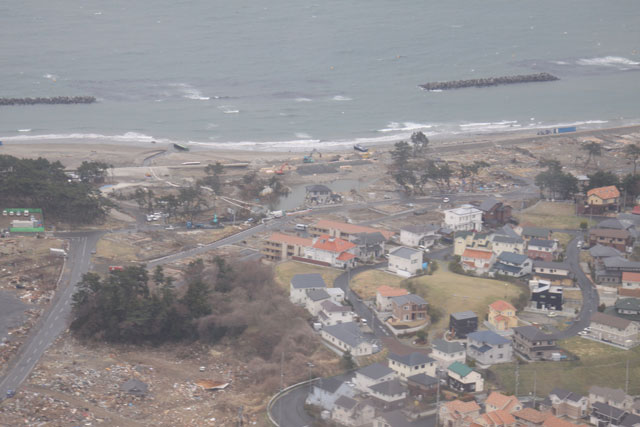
<point>599,364</point>
<point>552,215</point>
<point>286,270</point>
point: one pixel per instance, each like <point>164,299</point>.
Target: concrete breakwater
<point>49,100</point>
<point>490,81</point>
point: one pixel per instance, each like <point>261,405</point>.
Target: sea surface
<point>291,74</point>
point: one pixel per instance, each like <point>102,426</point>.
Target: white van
<point>301,227</point>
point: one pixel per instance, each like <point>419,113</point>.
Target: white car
<point>552,314</point>
<point>445,200</point>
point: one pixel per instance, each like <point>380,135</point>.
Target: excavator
<point>280,170</point>
<point>309,158</point>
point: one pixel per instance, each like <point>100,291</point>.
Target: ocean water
<point>291,74</point>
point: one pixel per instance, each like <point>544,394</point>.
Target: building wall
<point>299,296</point>
<point>498,354</point>
<point>411,265</point>
<point>409,312</point>
<point>540,255</point>
<point>473,382</point>
<point>324,399</point>
<point>362,382</point>
<point>444,360</point>
<point>406,371</point>
<point>499,247</point>
<point>616,336</point>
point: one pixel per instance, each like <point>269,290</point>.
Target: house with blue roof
<point>488,348</point>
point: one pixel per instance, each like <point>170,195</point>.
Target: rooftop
<point>460,368</point>
<point>611,321</point>
<point>609,192</point>
<point>332,244</point>
<point>614,394</point>
<point>536,232</point>
<point>532,333</point>
<point>331,384</point>
<point>317,188</point>
<point>488,203</point>
<point>628,276</point>
<point>551,264</point>
<point>421,229</point>
<point>409,298</point>
<point>609,232</point>
<point>332,307</point>
<point>632,304</point>
<point>388,291</point>
<point>350,228</point>
<point>601,251</point>
<point>290,239</point>
<point>317,294</point>
<point>348,332</point>
<point>346,402</point>
<point>464,210</point>
<point>477,254</point>
<point>447,347</point>
<point>423,380</point>
<point>501,401</point>
<point>306,281</point>
<point>404,252</point>
<point>462,407</point>
<point>507,239</point>
<point>531,415</point>
<point>462,315</point>
<point>389,388</point>
<point>501,305</point>
<point>488,337</point>
<point>542,243</point>
<point>375,371</point>
<point>411,359</point>
<point>566,394</point>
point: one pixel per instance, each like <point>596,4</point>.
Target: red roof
<point>630,293</point>
<point>477,254</point>
<point>636,210</point>
<point>332,244</point>
<point>501,401</point>
<point>553,421</point>
<point>388,291</point>
<point>498,418</point>
<point>501,305</point>
<point>531,415</point>
<point>289,239</point>
<point>458,407</point>
<point>610,192</point>
<point>345,256</point>
<point>628,276</point>
<point>351,228</point>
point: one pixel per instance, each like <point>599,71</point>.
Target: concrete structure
<point>502,315</point>
<point>462,323</point>
<point>544,296</point>
<point>418,235</point>
<point>409,308</point>
<point>318,194</point>
<point>301,283</point>
<point>488,348</point>
<point>447,352</point>
<point>462,378</point>
<point>280,246</point>
<point>405,261</point>
<point>347,337</point>
<point>542,250</point>
<point>502,244</point>
<point>464,218</point>
<point>511,264</point>
<point>384,294</point>
<point>412,364</point>
<point>531,343</point>
<point>613,329</point>
<point>477,260</point>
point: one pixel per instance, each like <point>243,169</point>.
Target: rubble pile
<point>34,409</point>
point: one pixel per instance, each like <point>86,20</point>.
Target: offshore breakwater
<point>48,100</point>
<point>490,81</point>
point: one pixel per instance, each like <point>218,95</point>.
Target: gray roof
<point>374,238</point>
<point>423,380</point>
<point>601,251</point>
<point>348,332</point>
<point>332,307</point>
<point>461,315</point>
<point>630,420</point>
<point>389,388</point>
<point>375,371</point>
<point>305,281</point>
<point>404,252</point>
<point>611,321</point>
<point>507,239</point>
<point>318,188</point>
<point>447,346</point>
<point>507,230</point>
<point>615,223</point>
<point>421,229</point>
<point>619,262</point>
<point>566,394</point>
<point>487,337</point>
<point>487,204</point>
<point>543,243</point>
<point>550,264</point>
<point>346,402</point>
<point>331,384</point>
<point>533,334</point>
<point>317,294</point>
<point>615,394</point>
<point>608,410</point>
<point>628,304</point>
<point>499,266</point>
<point>512,258</point>
<point>409,298</point>
<point>134,386</point>
<point>398,419</point>
<point>535,232</point>
<point>411,359</point>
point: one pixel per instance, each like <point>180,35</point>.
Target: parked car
<point>445,200</point>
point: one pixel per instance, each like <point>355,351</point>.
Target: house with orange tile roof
<point>502,315</point>
<point>498,401</point>
<point>499,418</point>
<point>603,198</point>
<point>384,294</point>
<point>457,413</point>
<point>280,246</point>
<point>553,421</point>
<point>630,280</point>
<point>477,260</point>
<point>344,231</point>
<point>331,251</point>
<point>529,417</point>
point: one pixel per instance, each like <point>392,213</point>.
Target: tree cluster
<point>557,184</point>
<point>39,183</point>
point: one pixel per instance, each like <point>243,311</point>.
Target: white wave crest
<point>126,137</point>
<point>302,99</point>
<point>51,77</point>
<point>608,61</point>
<point>24,130</point>
<point>302,135</point>
<point>228,110</point>
<point>341,98</point>
<point>190,92</point>
<point>405,126</point>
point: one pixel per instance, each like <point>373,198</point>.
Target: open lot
<point>366,283</point>
<point>552,215</point>
<point>286,270</point>
<point>598,364</point>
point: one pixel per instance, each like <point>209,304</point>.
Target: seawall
<point>490,81</point>
<point>49,100</point>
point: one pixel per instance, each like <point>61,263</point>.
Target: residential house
<point>512,264</point>
<point>600,252</point>
<point>628,308</point>
<point>529,417</point>
<point>447,352</point>
<point>371,375</point>
<point>326,391</point>
<point>336,294</point>
<point>488,348</point>
<point>352,413</point>
<point>611,269</point>
<point>553,421</point>
<point>494,212</point>
<point>331,251</point>
<point>543,250</point>
<point>409,308</point>
<point>557,273</point>
<point>630,280</point>
<point>343,230</point>
<point>629,293</point>
<point>314,299</point>
<point>405,261</point>
<point>544,296</point>
<point>477,260</point>
<point>457,413</point>
<point>384,294</point>
<point>618,239</point>
<point>502,315</point>
<point>531,343</point>
<point>614,329</point>
<point>611,396</point>
<point>564,403</point>
<point>389,392</point>
<point>498,401</point>
<point>395,418</point>
<point>422,386</point>
<point>471,240</point>
<point>412,364</point>
<point>603,415</point>
<point>502,244</point>
<point>603,199</point>
<point>539,233</point>
<point>301,283</point>
<point>280,246</point>
<point>347,337</point>
<point>497,418</point>
<point>462,378</point>
<point>318,194</point>
<point>616,223</point>
<point>462,323</point>
<point>370,246</point>
<point>419,235</point>
<point>464,218</point>
<point>332,313</point>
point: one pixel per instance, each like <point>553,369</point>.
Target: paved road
<point>54,320</point>
<point>288,410</point>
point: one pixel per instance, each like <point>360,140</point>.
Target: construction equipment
<point>280,170</point>
<point>309,158</point>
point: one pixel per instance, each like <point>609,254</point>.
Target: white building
<point>347,337</point>
<point>371,375</point>
<point>447,352</point>
<point>332,251</point>
<point>326,391</point>
<point>315,297</point>
<point>332,313</point>
<point>301,283</point>
<point>412,364</point>
<point>613,329</point>
<point>464,218</point>
<point>405,261</point>
<point>418,235</point>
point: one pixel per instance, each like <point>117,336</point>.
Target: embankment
<point>48,100</point>
<point>490,81</point>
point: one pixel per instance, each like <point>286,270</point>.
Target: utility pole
<point>535,383</point>
<point>626,382</point>
<point>437,401</point>
<point>517,377</point>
